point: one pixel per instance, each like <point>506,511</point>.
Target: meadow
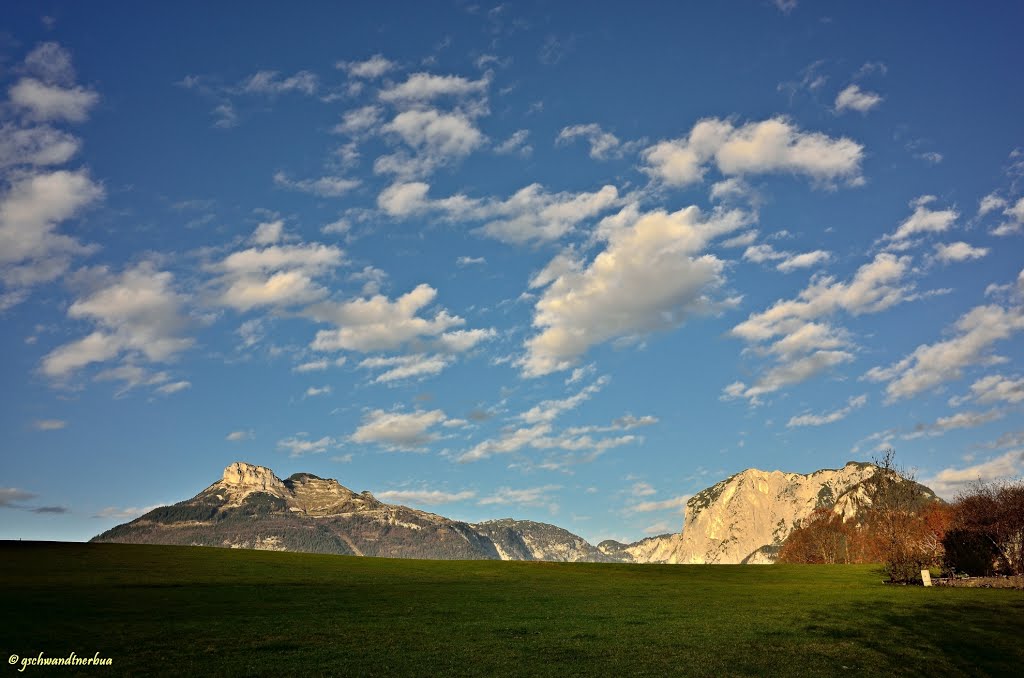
<point>204,611</point>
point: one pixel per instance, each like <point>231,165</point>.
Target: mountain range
<point>742,519</point>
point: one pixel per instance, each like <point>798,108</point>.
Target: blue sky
<point>504,260</point>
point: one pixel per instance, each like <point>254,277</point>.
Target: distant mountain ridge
<point>742,519</point>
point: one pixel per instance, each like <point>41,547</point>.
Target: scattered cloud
<point>12,497</point>
<point>424,496</point>
<point>853,98</point>
<point>773,145</point>
<point>369,69</point>
<point>238,436</point>
<point>300,445</point>
<point>830,417</point>
<point>650,276</point>
<point>931,365</point>
<point>949,481</point>
<point>958,251</point>
<point>49,424</point>
<point>399,431</point>
<point>994,388</point>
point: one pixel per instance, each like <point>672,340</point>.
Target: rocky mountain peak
<point>243,476</point>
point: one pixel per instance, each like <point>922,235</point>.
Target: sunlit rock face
<point>745,518</point>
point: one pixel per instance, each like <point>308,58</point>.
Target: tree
<point>903,521</point>
<point>986,534</point>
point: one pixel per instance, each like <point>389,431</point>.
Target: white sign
<point>926,577</point>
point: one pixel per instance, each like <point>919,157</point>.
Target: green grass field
<point>204,611</point>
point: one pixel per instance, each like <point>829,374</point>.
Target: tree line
<point>980,533</point>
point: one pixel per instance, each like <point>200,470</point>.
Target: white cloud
<point>359,120</point>
<point>931,365</point>
<point>52,102</point>
<point>464,261</point>
<point>49,424</point>
<point>942,425</point>
<point>277,275</point>
<point>437,138</point>
<point>603,145</point>
<point>325,187</point>
<point>993,388</point>
<point>268,233</point>
<point>650,276</point>
<point>511,440</point>
<point>379,324</point>
<point>677,504</point>
<point>924,220</point>
<point>403,431</point>
<point>794,262</point>
<point>300,445</point>
<point>406,366</point>
<point>424,496</point>
<point>37,146</point>
<point>238,436</point>
<point>420,87</point>
<point>990,203</point>
<point>370,69</point>
<point>853,98</point>
<point>50,63</point>
<point>549,410</point>
<point>785,6</point>
<point>126,513</point>
<point>773,145</point>
<point>271,83</point>
<point>138,313</point>
<point>173,387</point>
<point>530,214</point>
<point>642,490</point>
<point>530,496</point>
<point>31,249</point>
<point>1016,223</point>
<point>515,144</point>
<point>460,341</point>
<point>830,417</point>
<point>958,251</point>
<point>314,391</point>
<point>947,482</point>
<point>803,347</point>
<point>788,261</point>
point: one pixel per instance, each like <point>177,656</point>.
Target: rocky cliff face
<point>745,518</point>
<point>527,540</point>
<point>663,549</point>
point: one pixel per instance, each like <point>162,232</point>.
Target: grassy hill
<point>203,611</point>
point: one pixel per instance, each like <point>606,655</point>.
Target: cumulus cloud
<point>420,87</point>
<point>788,261</point>
<point>993,388</point>
<point>359,120</point>
<point>990,203</point>
<point>49,424</point>
<point>325,187</point>
<point>42,101</point>
<point>949,481</point>
<point>853,98</point>
<point>603,145</point>
<point>401,367</point>
<point>275,275</point>
<point>137,313</point>
<point>958,251</point>
<point>531,214</point>
<point>516,143</point>
<point>677,504</point>
<point>379,324</point>
<point>789,331</point>
<point>436,138</point>
<point>650,276</point>
<point>399,431</point>
<point>769,146</point>
<point>424,496</point>
<point>923,220</point>
<point>300,445</point>
<point>238,436</point>
<point>1015,223</point>
<point>829,417</point>
<point>529,496</point>
<point>370,69</point>
<point>32,250</point>
<point>931,365</point>
<point>272,83</point>
<point>36,146</point>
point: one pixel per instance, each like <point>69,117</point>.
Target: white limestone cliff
<point>745,518</point>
